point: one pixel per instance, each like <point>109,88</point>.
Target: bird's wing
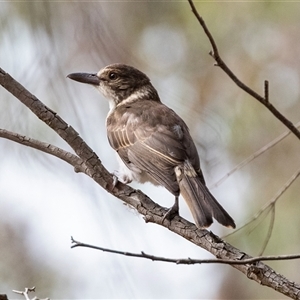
<point>154,139</point>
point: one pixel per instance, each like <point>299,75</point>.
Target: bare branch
<point>220,63</point>
<point>188,261</point>
<point>68,157</point>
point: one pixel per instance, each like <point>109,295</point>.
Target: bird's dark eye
<point>112,75</point>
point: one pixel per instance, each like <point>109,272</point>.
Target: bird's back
<point>153,137</point>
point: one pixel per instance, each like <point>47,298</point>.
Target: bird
<point>152,142</point>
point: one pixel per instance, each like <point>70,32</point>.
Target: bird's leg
<point>172,211</point>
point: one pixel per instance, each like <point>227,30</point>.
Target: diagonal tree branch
<point>220,63</point>
<point>151,211</point>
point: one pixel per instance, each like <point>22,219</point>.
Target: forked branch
<point>68,157</point>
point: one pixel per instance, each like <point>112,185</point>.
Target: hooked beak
<point>85,78</point>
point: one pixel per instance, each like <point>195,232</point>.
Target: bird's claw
<point>172,211</point>
<point>119,177</point>
<point>115,181</point>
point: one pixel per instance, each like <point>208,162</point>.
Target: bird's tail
<point>202,204</point>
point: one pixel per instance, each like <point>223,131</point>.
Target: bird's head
<point>119,83</point>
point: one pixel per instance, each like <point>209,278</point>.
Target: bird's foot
<point>172,211</point>
<point>117,176</point>
<point>115,181</point>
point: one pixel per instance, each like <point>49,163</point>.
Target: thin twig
<point>270,231</point>
<point>271,203</point>
<point>188,261</point>
<point>267,90</point>
<point>215,54</point>
<point>25,293</point>
<point>253,156</point>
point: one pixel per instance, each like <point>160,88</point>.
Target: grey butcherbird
<point>153,142</point>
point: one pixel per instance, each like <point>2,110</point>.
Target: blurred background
<point>43,202</point>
